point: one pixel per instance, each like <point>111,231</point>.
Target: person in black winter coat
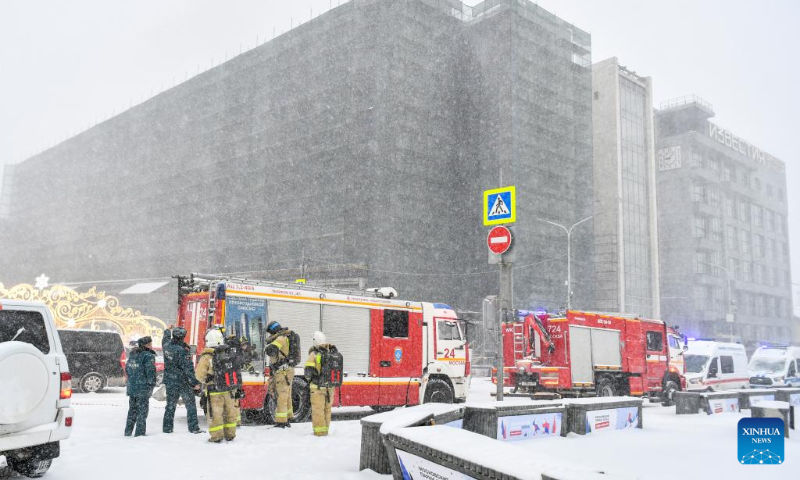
<point>141,371</point>
<point>179,379</point>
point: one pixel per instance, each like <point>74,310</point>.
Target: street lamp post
<point>569,253</point>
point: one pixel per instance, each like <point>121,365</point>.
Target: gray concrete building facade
<point>723,240</point>
<point>353,148</point>
<point>626,232</point>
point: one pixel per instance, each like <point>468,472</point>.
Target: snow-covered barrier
<point>751,396</point>
<point>505,422</point>
<point>792,397</point>
<point>710,402</point>
<point>772,409</point>
<point>373,453</point>
<point>589,415</point>
<point>443,453</point>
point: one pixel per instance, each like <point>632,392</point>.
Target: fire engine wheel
<point>438,391</point>
<point>669,390</point>
<point>301,402</point>
<point>32,468</point>
<point>606,387</point>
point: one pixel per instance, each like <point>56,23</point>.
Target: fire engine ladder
<point>214,279</point>
<point>519,341</point>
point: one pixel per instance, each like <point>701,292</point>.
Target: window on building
<point>780,194</point>
<point>713,164</point>
<point>745,178</point>
<point>728,204</point>
<point>769,219</point>
<point>779,223</point>
<point>758,269</point>
<point>769,247</point>
<point>755,214</point>
<point>757,184</point>
<point>731,239</point>
<point>702,264</point>
<point>395,323</point>
<point>741,205</point>
<point>699,193</point>
<point>769,190</point>
<point>697,159</point>
<point>784,252</point>
<point>726,364</point>
<point>713,196</point>
<point>700,230</point>
<point>759,305</point>
<point>758,245</point>
<point>747,272</point>
<point>727,173</point>
<point>655,341</point>
<point>733,265</point>
<point>716,229</point>
<point>744,241</point>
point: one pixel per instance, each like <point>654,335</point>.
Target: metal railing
<point>687,100</point>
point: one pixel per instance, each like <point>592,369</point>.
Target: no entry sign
<point>499,240</point>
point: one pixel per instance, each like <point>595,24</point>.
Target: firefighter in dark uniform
<point>220,403</point>
<point>179,379</point>
<point>141,372</point>
<point>321,397</point>
<point>282,373</point>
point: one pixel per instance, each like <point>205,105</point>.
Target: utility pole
<point>569,254</point>
<point>730,316</point>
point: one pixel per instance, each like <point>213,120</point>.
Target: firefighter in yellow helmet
<point>221,402</point>
<point>282,372</point>
<point>323,370</point>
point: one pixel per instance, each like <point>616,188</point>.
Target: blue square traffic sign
<point>499,206</point>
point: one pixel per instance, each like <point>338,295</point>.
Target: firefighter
<point>221,404</point>
<point>282,372</point>
<point>321,389</point>
<point>235,345</point>
<point>141,371</point>
<point>179,379</point>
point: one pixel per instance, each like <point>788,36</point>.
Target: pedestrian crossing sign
<point>499,206</point>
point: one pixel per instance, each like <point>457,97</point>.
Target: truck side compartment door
<point>397,347</point>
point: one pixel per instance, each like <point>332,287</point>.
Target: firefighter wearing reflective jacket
<point>221,405</point>
<point>282,372</point>
<point>323,370</point>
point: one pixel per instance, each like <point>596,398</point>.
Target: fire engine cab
<point>396,352</point>
<point>584,353</point>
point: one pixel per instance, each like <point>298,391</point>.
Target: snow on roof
<point>141,288</point>
<point>408,414</point>
<point>594,400</point>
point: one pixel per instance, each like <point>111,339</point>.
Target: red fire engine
<point>395,352</point>
<point>583,353</point>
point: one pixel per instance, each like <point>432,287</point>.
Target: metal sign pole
<point>505,301</point>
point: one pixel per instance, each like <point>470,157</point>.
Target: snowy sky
<point>67,65</point>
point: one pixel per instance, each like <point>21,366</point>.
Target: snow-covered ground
<point>669,447</point>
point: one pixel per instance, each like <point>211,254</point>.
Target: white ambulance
<point>714,365</point>
<point>775,365</point>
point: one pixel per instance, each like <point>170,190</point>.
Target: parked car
<point>715,366</point>
<point>35,413</point>
<point>96,358</point>
<point>775,365</point>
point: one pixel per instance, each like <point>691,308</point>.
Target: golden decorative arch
<point>92,309</point>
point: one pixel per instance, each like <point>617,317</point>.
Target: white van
<point>716,366</point>
<point>775,366</point>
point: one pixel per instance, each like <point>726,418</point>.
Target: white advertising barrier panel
<point>418,468</point>
<point>761,398</point>
<point>612,419</point>
<point>794,399</point>
<point>524,427</point>
<point>723,405</point>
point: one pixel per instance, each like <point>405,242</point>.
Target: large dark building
<point>352,150</point>
<point>723,235</point>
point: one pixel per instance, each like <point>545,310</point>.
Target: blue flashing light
<point>442,305</point>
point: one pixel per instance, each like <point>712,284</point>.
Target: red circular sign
<point>499,239</point>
